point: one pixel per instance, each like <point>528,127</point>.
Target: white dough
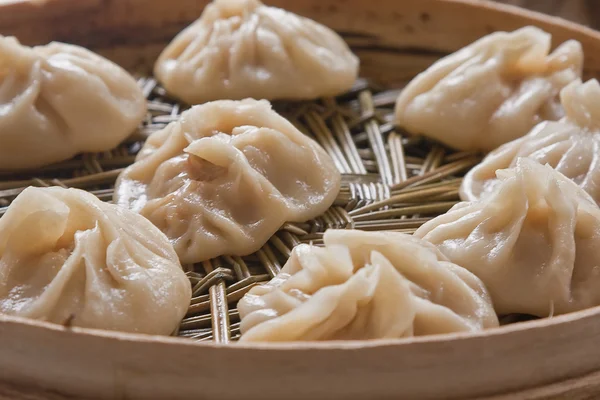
<point>490,92</point>
<point>571,146</point>
<point>67,257</point>
<point>225,177</point>
<point>59,100</point>
<point>365,285</point>
<point>242,48</point>
<point>533,241</point>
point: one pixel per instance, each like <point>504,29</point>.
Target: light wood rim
<point>512,329</point>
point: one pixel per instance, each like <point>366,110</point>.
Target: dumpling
<point>59,100</point>
<point>242,48</point>
<point>365,285</point>
<point>225,177</point>
<point>571,145</point>
<point>67,257</point>
<point>533,241</point>
<point>490,92</point>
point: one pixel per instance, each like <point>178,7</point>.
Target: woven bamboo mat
<point>390,181</point>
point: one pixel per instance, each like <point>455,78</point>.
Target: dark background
<point>585,12</point>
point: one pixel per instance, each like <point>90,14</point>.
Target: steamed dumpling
<point>67,257</point>
<point>225,177</point>
<point>365,285</point>
<point>571,146</point>
<point>533,241</point>
<point>59,100</point>
<point>242,48</point>
<point>490,92</point>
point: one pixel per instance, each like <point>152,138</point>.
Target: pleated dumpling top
<point>365,285</point>
<point>225,177</point>
<point>59,100</point>
<point>243,48</point>
<point>490,92</point>
<point>67,257</point>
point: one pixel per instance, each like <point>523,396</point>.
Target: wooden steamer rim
<point>101,364</point>
<point>396,40</point>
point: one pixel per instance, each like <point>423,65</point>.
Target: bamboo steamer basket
<point>552,358</point>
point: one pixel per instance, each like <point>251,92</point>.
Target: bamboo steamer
<point>544,359</point>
